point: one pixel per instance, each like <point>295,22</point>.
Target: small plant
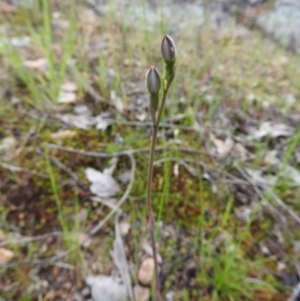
<point>154,83</point>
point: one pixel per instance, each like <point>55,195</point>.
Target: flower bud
<point>153,80</point>
<point>153,85</point>
<point>168,49</point>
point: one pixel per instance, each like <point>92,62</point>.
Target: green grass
<point>220,67</point>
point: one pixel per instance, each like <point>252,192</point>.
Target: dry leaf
<point>103,185</point>
<point>102,123</point>
<point>258,179</point>
<point>82,110</point>
<point>242,151</point>
<point>79,121</point>
<point>271,129</point>
<point>117,101</point>
<point>223,147</point>
<point>119,258</point>
<point>105,288</point>
<point>67,93</point>
<point>62,135</point>
<point>84,121</point>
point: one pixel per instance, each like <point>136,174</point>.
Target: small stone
<point>124,228</point>
<point>7,144</point>
<point>141,293</point>
<point>146,271</point>
<point>69,87</point>
<point>5,255</point>
<point>66,97</point>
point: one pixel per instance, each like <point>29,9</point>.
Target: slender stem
<point>150,167</point>
<point>151,219</point>
<point>162,106</point>
<point>157,284</point>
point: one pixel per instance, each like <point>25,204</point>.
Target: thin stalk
<point>151,219</point>
<point>162,104</point>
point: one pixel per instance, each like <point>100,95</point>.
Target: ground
<point>226,176</point>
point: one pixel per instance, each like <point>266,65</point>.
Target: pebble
<point>146,271</point>
<point>124,228</point>
<point>5,255</point>
<point>141,293</point>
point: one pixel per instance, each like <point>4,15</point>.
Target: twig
<point>122,153</point>
<point>64,265</point>
<point>25,140</point>
<point>181,160</point>
<point>94,8</point>
<point>25,240</point>
<point>22,169</point>
<point>50,261</point>
<point>59,165</point>
<point>106,203</point>
<point>161,125</point>
<point>96,95</point>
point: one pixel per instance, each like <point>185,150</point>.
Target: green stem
<point>162,106</point>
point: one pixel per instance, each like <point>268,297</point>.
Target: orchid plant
<point>154,83</point>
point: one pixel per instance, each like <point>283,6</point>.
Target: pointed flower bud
<point>153,85</point>
<point>153,80</point>
<point>168,49</point>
